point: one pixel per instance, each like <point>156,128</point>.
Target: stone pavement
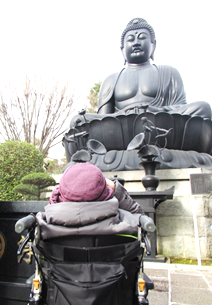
<point>179,284</point>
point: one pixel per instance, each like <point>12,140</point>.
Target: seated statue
<point>143,88</point>
<point>141,83</point>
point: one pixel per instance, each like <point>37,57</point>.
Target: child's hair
<point>82,182</point>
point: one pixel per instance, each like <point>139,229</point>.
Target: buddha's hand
<point>166,108</point>
<point>111,184</point>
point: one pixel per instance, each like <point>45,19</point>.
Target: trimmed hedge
<point>35,184</point>
<point>17,159</point>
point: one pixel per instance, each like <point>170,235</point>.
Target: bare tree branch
<point>36,116</point>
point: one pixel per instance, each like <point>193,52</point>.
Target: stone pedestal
<point>174,218</point>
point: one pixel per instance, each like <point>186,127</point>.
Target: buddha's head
<point>138,41</point>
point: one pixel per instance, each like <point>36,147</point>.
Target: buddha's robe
<point>170,96</point>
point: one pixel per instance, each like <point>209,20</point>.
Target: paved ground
<point>179,284</point>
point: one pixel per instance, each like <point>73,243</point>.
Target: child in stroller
<point>84,253</point>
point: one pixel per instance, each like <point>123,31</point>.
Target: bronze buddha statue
<point>144,89</point>
<point>160,87</point>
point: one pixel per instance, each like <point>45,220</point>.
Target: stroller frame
<point>86,269</point>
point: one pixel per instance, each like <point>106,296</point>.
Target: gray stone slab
<point>156,272</point>
<point>134,187</point>
<point>181,187</point>
<point>204,249</point>
<point>186,272</point>
<point>209,246</point>
<point>203,225</point>
<point>190,296</point>
<point>189,285</point>
<point>202,205</point>
<point>171,246</point>
<point>159,278</point>
<point>170,208</point>
<point>158,298</point>
<point>167,226</point>
<point>160,284</point>
<point>208,276</point>
<point>188,280</point>
<point>210,205</point>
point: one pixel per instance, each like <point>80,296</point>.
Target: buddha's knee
<point>203,109</point>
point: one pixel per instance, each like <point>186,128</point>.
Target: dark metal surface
<point>13,290</point>
<point>149,201</point>
<point>186,145</point>
<point>128,95</point>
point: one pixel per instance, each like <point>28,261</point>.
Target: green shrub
<point>35,184</point>
<point>17,159</point>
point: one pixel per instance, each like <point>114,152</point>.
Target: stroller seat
<point>91,269</point>
<point>86,269</point>
<point>90,248</point>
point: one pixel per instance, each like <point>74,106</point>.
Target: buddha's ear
<point>122,51</point>
<point>153,51</point>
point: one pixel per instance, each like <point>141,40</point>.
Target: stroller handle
<point>25,223</point>
<point>147,223</point>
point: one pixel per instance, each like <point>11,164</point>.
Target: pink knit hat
<point>82,182</point>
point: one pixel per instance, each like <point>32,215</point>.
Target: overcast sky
<point>80,40</point>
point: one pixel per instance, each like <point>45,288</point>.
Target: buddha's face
<point>138,47</point>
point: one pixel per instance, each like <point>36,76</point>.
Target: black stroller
<point>85,269</point>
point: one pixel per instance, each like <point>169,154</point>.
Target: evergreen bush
<point>35,184</point>
<point>17,159</point>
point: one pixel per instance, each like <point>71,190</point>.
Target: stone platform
<point>179,284</point>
